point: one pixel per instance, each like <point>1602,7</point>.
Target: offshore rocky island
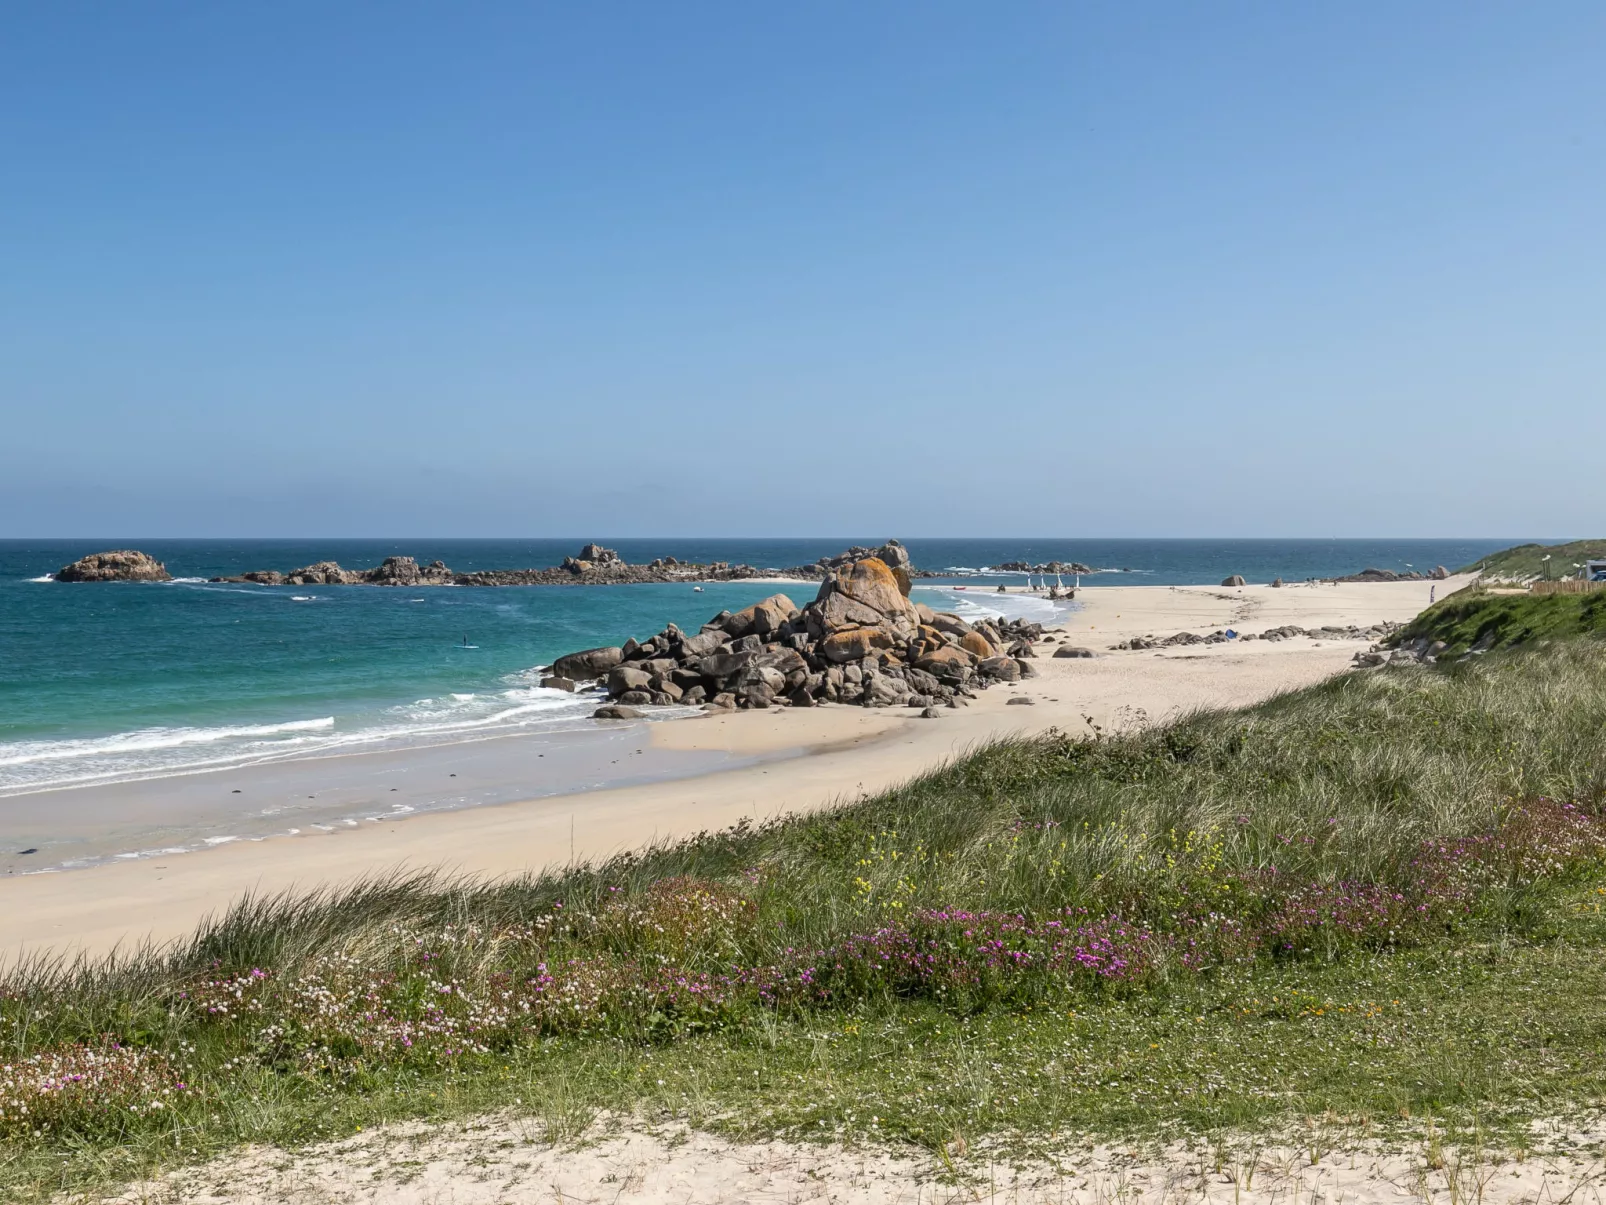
<point>594,566</point>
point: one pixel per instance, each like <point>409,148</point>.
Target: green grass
<point>1429,942</point>
<point>1527,560</point>
<point>1472,618</point>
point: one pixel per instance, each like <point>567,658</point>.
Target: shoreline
<point>846,752</point>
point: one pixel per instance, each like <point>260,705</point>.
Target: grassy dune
<point>1473,619</point>
<point>1376,898</point>
<point>1527,560</point>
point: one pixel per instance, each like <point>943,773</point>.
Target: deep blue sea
<point>107,682</point>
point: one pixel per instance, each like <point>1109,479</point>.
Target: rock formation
<point>123,565</point>
<point>861,640</point>
<point>1234,580</point>
<point>595,566</point>
<point>1050,567</point>
<point>1383,575</point>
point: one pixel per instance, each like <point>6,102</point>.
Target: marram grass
<point>1232,918</point>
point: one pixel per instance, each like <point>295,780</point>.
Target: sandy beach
<point>790,760</point>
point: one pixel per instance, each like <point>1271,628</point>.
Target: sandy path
<point>497,1161</point>
<point>850,751</point>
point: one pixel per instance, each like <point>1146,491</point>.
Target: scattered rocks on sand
<point>1421,651</point>
<point>1070,650</point>
<point>1329,632</point>
<point>122,565</point>
<point>860,640</point>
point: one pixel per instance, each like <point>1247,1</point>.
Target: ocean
<point>108,683</point>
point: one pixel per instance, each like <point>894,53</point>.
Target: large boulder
<point>896,558</point>
<point>1234,580</point>
<point>975,643</point>
<point>702,644</point>
<point>1440,573</point>
<point>947,664</point>
<point>587,664</point>
<point>723,665</point>
<point>598,555</point>
<point>947,621</point>
<point>882,690</point>
<point>853,644</point>
<point>870,582</point>
<point>762,618</point>
<point>837,611</point>
<point>624,678</point>
<point>122,565</point>
<point>1000,669</point>
<point>322,573</point>
<point>405,571</point>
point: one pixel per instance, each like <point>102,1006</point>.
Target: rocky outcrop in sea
<point>860,640</point>
<point>1438,574</point>
<point>594,566</point>
<point>122,565</point>
<point>1048,567</point>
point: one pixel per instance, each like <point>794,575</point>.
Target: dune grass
<point>1374,897</point>
<point>1524,561</point>
<point>1475,619</point>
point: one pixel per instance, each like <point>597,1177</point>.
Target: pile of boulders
<point>123,565</point>
<point>861,640</point>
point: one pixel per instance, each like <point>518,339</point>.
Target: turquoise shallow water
<point>100,683</point>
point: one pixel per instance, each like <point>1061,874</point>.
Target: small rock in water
<point>32,849</point>
<point>616,712</point>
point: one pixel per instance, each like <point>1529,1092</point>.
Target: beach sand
<point>802,759</point>
<point>493,1160</point>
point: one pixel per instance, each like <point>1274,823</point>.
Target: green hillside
<point>1474,617</point>
<point>1527,560</point>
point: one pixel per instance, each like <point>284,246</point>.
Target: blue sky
<point>1181,269</point>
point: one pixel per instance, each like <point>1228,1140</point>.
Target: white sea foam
<point>144,740</point>
<point>972,604</point>
<point>27,766</point>
<point>49,577</point>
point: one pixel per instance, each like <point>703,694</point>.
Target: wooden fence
<point>1567,585</point>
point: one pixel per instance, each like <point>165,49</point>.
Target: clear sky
<point>1322,269</point>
